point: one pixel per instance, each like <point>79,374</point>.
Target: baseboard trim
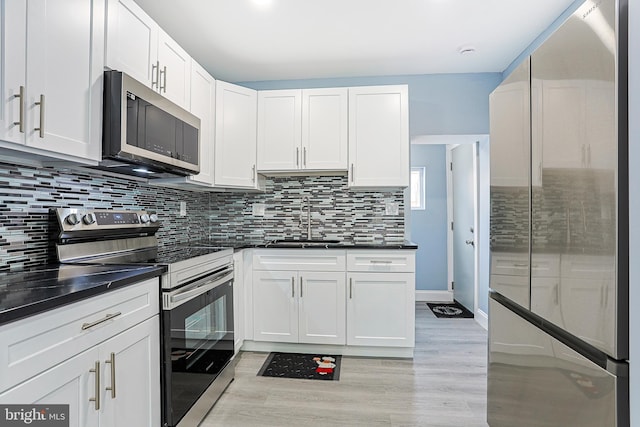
<point>439,296</point>
<point>362,351</point>
<point>482,318</point>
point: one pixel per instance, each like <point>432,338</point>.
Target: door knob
<point>470,242</point>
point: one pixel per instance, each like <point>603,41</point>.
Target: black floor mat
<point>451,310</point>
<point>298,365</point>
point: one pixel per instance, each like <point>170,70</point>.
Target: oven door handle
<point>181,296</point>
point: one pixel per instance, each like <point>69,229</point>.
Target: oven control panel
<point>72,220</point>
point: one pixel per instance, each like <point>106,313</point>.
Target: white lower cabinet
<point>380,309</point>
<point>362,300</point>
<point>100,356</point>
<point>299,307</point>
<point>114,384</point>
<point>69,382</point>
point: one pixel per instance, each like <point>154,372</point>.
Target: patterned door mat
<point>299,365</point>
<point>452,310</point>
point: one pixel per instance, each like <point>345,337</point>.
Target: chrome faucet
<point>306,199</point>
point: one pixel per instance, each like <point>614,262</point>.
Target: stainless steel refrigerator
<point>558,311</point>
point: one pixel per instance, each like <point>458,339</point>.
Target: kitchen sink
<point>301,243</point>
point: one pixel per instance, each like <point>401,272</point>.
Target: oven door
<point>197,341</point>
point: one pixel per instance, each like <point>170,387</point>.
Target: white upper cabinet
<point>378,136</point>
<point>302,130</point>
<point>509,117</point>
<point>137,46</point>
<point>52,63</point>
<point>235,145</point>
<point>279,130</point>
<point>324,129</point>
<point>203,106</point>
<point>174,70</point>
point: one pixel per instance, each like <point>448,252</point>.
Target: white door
<point>464,236</point>
<point>325,129</point>
<point>203,105</point>
<point>63,105</point>
<point>71,382</point>
<point>175,70</point>
<point>366,323</point>
<point>279,121</point>
<point>235,149</point>
<point>275,306</point>
<point>132,41</point>
<point>322,312</point>
<point>131,377</point>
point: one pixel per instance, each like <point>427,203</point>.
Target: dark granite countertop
<point>27,292</point>
<point>238,244</point>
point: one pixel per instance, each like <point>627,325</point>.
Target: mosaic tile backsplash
<point>27,194</point>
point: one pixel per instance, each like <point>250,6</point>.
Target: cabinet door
<point>563,114</point>
<point>203,104</point>
<point>64,76</point>
<point>70,382</point>
<point>378,136</point>
<point>322,311</point>
<point>235,147</point>
<point>132,41</point>
<point>275,306</point>
<point>131,365</point>
<point>324,129</point>
<point>13,30</point>
<point>174,78</point>
<point>509,122</point>
<point>380,309</point>
<point>279,122</point>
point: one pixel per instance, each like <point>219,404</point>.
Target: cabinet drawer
<point>381,260</point>
<point>32,345</point>
<point>517,264</point>
<point>299,259</point>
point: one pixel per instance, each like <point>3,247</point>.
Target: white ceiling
<point>241,40</point>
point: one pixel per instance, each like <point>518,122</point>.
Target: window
<point>417,188</point>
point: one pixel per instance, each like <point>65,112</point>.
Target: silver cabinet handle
<point>41,127</point>
<point>589,155</point>
<point>382,261</point>
<point>293,287</point>
<point>97,322</point>
<point>253,173</point>
<point>96,399</point>
<point>112,362</point>
<point>304,156</point>
<point>300,286</point>
<point>163,86</point>
<point>350,288</point>
<point>155,67</point>
<point>297,156</point>
<point>20,123</point>
<point>521,265</point>
<point>352,172</point>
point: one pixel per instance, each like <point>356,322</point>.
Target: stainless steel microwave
<point>144,133</point>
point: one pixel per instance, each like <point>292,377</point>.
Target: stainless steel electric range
<point>197,301</point>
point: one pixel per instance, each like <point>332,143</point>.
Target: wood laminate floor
<point>443,386</point>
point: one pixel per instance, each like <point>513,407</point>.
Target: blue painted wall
<point>542,37</point>
<point>439,104</point>
<point>429,226</point>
